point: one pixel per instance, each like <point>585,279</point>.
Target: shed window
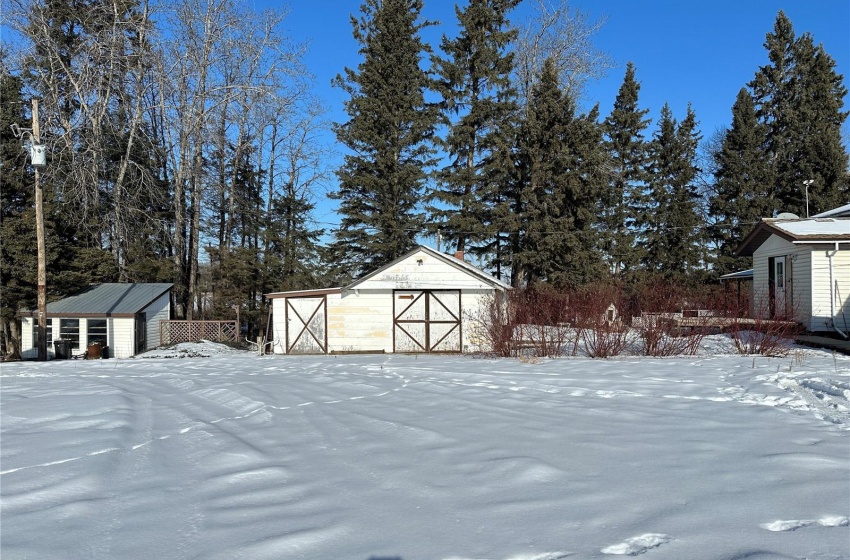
<point>97,331</point>
<point>69,329</point>
<point>35,333</point>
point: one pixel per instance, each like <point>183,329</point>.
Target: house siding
<point>801,285</point>
<point>822,318</point>
<point>776,247</point>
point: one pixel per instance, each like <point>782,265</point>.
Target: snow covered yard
<point>403,457</point>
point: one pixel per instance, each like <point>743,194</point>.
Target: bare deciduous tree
<point>557,31</point>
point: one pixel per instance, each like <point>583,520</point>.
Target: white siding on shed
<point>432,273</point>
<point>159,310</point>
<point>361,317</point>
<point>27,350</point>
<point>361,320</point>
<point>121,337</point>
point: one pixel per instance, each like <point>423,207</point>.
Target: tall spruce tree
<point>742,192</point>
<point>382,178</point>
<point>671,224</point>
<point>17,223</point>
<point>474,82</point>
<point>558,183</point>
<point>628,149</point>
<point>799,97</point>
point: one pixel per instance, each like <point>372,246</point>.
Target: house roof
<point>800,230</point>
<point>740,275</point>
<point>841,211</point>
<point>448,259</point>
<point>108,300</point>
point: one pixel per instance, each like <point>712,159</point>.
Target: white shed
<point>123,318</point>
<point>425,301</point>
<point>801,269</point>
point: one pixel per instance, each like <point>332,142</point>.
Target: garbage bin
<point>94,351</point>
<point>62,349</point>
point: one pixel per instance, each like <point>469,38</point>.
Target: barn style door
<point>306,325</point>
<point>426,321</point>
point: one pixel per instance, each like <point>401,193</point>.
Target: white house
<point>425,301</point>
<point>801,269</point>
<point>123,318</point>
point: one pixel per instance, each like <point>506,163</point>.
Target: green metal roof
<point>109,299</point>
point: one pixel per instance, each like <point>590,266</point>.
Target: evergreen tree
<point>799,97</point>
<point>742,192</point>
<point>382,178</point>
<point>671,224</point>
<point>474,82</point>
<point>295,255</point>
<point>558,184</point>
<point>17,220</point>
<point>626,145</point>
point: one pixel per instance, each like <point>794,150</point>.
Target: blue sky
<point>700,51</point>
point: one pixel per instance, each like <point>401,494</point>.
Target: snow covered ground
<point>236,456</point>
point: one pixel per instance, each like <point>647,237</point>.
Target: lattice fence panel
<point>175,332</point>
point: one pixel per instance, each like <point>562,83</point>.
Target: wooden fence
<point>174,332</point>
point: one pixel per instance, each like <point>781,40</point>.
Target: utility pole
<point>39,233</point>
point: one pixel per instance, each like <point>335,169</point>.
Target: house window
<point>780,274</point>
<point>35,332</point>
<point>97,331</point>
<point>69,329</point>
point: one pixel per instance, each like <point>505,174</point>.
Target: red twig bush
<point>671,320</point>
<point>761,335</point>
<point>600,326</point>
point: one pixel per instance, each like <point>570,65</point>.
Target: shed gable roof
<point>109,299</point>
<point>458,264</point>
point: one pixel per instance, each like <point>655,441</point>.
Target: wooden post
<point>42,259</point>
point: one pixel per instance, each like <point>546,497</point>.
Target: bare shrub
<point>605,340</point>
<point>763,335</point>
<point>491,326</point>
<point>601,329</point>
<point>541,326</point>
<point>671,319</point>
<point>527,323</point>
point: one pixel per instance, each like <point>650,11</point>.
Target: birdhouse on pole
<point>38,155</point>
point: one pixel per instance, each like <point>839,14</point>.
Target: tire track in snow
<point>184,384</point>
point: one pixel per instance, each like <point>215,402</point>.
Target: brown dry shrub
<point>603,336</point>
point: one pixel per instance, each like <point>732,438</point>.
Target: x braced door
<point>306,325</point>
<point>426,321</point>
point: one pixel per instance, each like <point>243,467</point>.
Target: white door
<point>779,277</point>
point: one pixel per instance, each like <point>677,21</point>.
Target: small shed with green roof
<point>123,318</point>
